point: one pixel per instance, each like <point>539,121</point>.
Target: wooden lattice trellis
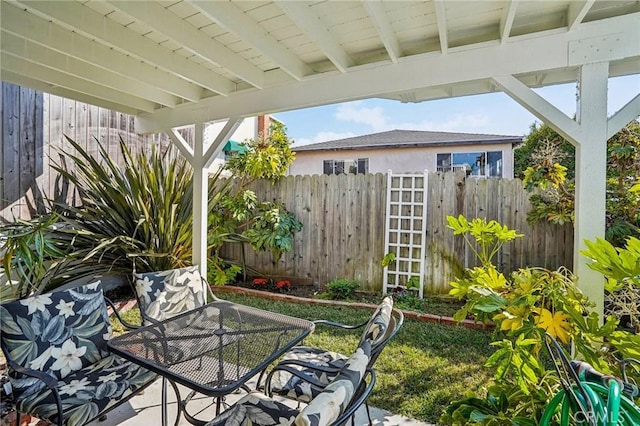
<point>405,233</point>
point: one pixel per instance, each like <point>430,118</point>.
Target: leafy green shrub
<point>523,306</point>
<point>139,214</point>
<point>342,288</point>
<point>621,268</point>
<point>546,162</point>
<point>272,228</point>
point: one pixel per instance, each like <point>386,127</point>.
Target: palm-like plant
<point>34,257</point>
<point>135,216</point>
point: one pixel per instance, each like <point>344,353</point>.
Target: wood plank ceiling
<point>174,62</point>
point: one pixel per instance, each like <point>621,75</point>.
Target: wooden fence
<point>344,223</point>
<point>33,128</point>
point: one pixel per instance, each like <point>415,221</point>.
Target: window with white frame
<point>338,167</point>
<point>480,164</point>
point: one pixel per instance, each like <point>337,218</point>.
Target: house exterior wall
<point>400,160</point>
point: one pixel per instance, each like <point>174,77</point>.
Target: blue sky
<point>493,113</point>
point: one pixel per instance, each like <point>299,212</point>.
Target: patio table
<point>214,349</point>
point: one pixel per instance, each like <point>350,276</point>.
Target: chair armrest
<point>210,293</point>
<point>357,402</point>
<point>49,381</point>
<point>308,365</point>
<point>337,324</point>
<point>124,322</point>
<point>294,372</point>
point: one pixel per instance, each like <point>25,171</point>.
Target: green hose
<point>618,409</point>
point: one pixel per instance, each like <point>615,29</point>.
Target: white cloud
<point>353,112</point>
<point>323,137</point>
<point>377,119</point>
<point>461,123</point>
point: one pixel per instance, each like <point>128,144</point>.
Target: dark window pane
<point>328,167</point>
<point>363,165</point>
<point>494,163</point>
<point>443,163</point>
<point>339,167</point>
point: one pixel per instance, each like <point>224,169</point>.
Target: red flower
<point>259,281</point>
<point>283,284</point>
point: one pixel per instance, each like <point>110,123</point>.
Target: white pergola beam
<point>39,72</point>
<point>41,55</point>
<point>506,21</point>
<point>33,28</point>
<point>539,106</point>
<point>22,80</point>
<point>578,9</point>
<point>200,200</point>
<point>302,15</point>
<point>380,20</point>
<point>181,144</point>
<point>591,176</point>
<point>223,137</point>
<point>81,18</point>
<point>624,116</point>
<point>441,19</point>
<point>520,56</point>
<point>182,32</point>
<point>234,20</point>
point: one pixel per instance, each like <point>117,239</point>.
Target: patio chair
<point>338,401</point>
<point>165,294</point>
<point>305,371</point>
<point>60,368</point>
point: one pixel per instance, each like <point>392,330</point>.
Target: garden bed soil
<point>308,291</point>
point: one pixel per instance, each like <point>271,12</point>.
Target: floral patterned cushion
<point>256,409</point>
<point>284,383</point>
<point>325,408</point>
<point>165,294</point>
<point>57,333</point>
<point>84,393</point>
<point>376,328</point>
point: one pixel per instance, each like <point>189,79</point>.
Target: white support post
<point>200,200</point>
<point>591,175</point>
<point>589,136</point>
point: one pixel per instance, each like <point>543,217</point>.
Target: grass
<point>423,369</point>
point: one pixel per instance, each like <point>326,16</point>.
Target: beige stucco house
<point>407,151</point>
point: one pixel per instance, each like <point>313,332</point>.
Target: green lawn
<point>423,368</point>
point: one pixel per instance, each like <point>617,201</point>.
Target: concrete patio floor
<point>145,410</point>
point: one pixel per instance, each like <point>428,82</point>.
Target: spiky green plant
<point>34,257</point>
<point>135,215</point>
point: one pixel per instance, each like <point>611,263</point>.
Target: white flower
<point>38,363</point>
<point>143,287</point>
<point>37,303</point>
<point>93,286</point>
<point>74,386</point>
<point>108,334</point>
<point>284,421</point>
<point>66,308</point>
<point>160,296</point>
<point>194,282</point>
<point>67,357</point>
<point>111,377</point>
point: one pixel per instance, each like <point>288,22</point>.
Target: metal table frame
<point>213,350</point>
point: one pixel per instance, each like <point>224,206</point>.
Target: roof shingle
<point>406,139</point>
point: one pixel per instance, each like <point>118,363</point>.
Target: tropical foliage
<point>523,306</point>
<point>137,215</point>
<point>621,268</point>
<point>546,163</point>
